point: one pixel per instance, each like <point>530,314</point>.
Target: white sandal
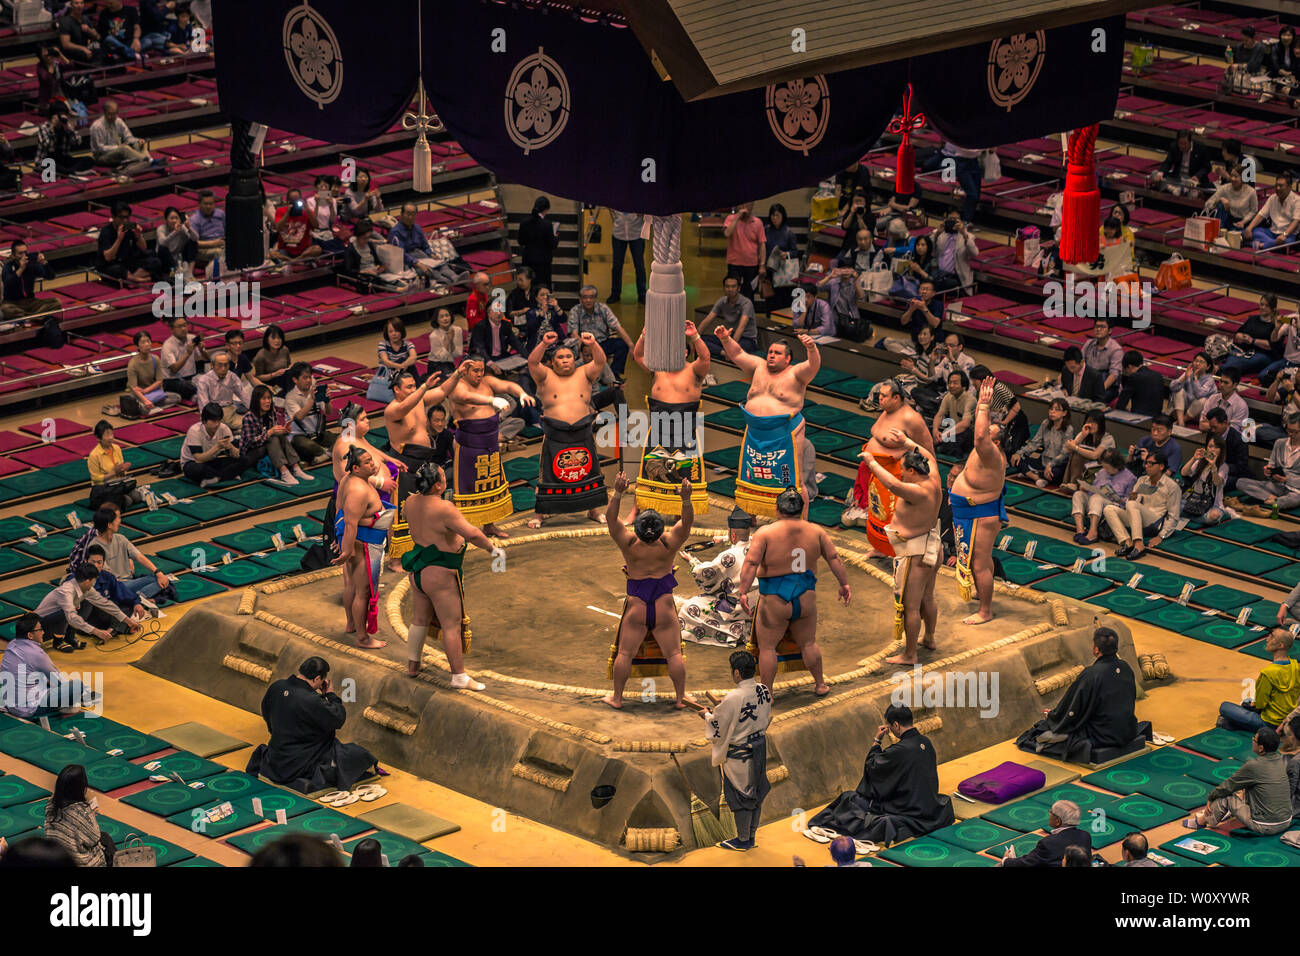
<point>333,798</point>
<point>816,835</point>
<point>370,792</point>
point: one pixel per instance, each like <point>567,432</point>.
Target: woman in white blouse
<point>446,344</point>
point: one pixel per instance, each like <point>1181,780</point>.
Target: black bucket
<point>601,795</point>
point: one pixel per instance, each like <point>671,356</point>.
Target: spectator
<point>1188,392</point>
<point>50,85</point>
<point>842,296</point>
<point>208,454</point>
<point>1254,348</point>
<point>307,408</point>
<point>1286,333</point>
<point>1077,380</point>
<point>70,819</point>
<point>1258,795</point>
<point>1234,203</point>
<point>898,239</point>
<point>145,381</point>
<point>1160,441</point>
<point>1280,489</point>
<point>1076,856</point>
<point>1206,476</point>
<point>177,237</point>
<point>920,266</point>
<point>272,362</point>
<point>953,425</point>
<point>1153,507</point>
<point>108,470</point>
<point>36,688</point>
<point>538,239</point>
<point>1048,263</point>
<point>1005,410</point>
<point>78,40</point>
<point>57,140</point>
<point>293,232</point>
<point>1290,750</point>
<point>1230,155</point>
<point>859,256</point>
<point>240,363</point>
<point>746,247</point>
<point>903,204</point>
<point>179,354</point>
<point>856,216</point>
<point>495,338</point>
<point>122,558</point>
<point>954,249</point>
<point>434,261</point>
<point>107,584</point>
<point>1227,399</point>
<point>521,299</point>
<point>1282,210</point>
<point>1086,449</point>
<point>476,306</point>
<point>123,254</point>
<point>265,433</point>
<point>969,171</point>
<point>958,360</point>
<point>1282,61</point>
<point>734,311</point>
<point>295,851</point>
<point>850,181</point>
<point>446,344</point>
<point>782,248</point>
<point>361,260</point>
<point>545,317</point>
<point>816,316</point>
<point>322,212</point>
<point>304,716</point>
<point>1186,166</point>
<point>1133,851</point>
<point>1043,458</point>
<point>111,510</point>
<point>440,437</point>
<point>1110,486</point>
<point>19,277</point>
<point>155,27</point>
<point>222,387</point>
<point>62,608</point>
<point>590,315</point>
<point>119,32</point>
<point>367,853</point>
<point>209,227</point>
<point>395,354</point>
<point>361,200</point>
<point>1121,260</point>
<point>113,144</point>
<point>184,35</point>
<point>625,234</point>
<point>1103,354</point>
<point>925,311</point>
<point>1236,454</point>
<point>1250,55</point>
<point>1276,690</point>
<point>843,853</point>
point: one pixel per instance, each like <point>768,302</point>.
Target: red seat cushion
<point>140,433</point>
<point>47,456</point>
<point>60,428</point>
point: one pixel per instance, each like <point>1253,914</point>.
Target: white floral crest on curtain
<point>312,51</point>
<point>537,102</point>
<point>799,111</point>
<point>1014,65</point>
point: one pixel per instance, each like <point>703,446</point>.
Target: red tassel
<point>1081,204</point>
<point>905,168</point>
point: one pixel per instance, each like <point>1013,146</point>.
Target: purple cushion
<point>1006,781</point>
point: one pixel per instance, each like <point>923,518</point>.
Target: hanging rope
<point>422,122</point>
<point>1081,203</point>
<point>905,169</point>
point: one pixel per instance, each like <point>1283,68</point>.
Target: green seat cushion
<point>45,480</point>
<point>8,610</point>
<point>732,418</point>
<point>1078,586</point>
<point>1264,613</point>
<point>723,486</point>
<point>245,542</point>
<point>1258,649</point>
<point>189,766</point>
<point>1160,581</point>
<point>1173,616</point>
<point>854,388</point>
<point>255,840</point>
<point>825,377</point>
<point>53,756</point>
<point>1199,547</point>
<point>829,443</point>
<point>1022,815</point>
<point>141,457</point>
<point>1018,495</point>
<point>1060,553</point>
<point>311,528</point>
<point>162,521</point>
<point>520,469</point>
<point>1024,845</point>
<point>1052,507</point>
<point>132,743</point>
<point>194,821</point>
<point>57,517</point>
<point>1126,601</point>
<point>1288,576</point>
<point>256,497</point>
<point>321,484</point>
<point>724,457</point>
<point>115,828</point>
<point>197,861</point>
<point>826,513</point>
<point>1103,830</point>
<point>733,392</point>
<point>15,790</point>
<point>1221,744</point>
<point>1185,792</point>
<point>973,835</point>
<point>169,448</point>
<point>859,426</point>
<point>168,799</point>
<point>391,845</point>
<point>1143,812</point>
<point>1235,849</point>
<point>1117,569</point>
<point>1022,571</point>
<point>165,853</point>
<point>1214,772</point>
<point>1221,598</point>
<point>1241,531</point>
<point>14,529</point>
<point>277,798</point>
<point>209,508</point>
<point>1085,798</point>
<point>177,487</point>
<point>325,822</point>
<point>834,486</point>
<point>233,786</point>
<point>1222,633</point>
<point>241,573</point>
<point>113,772</point>
<point>53,547</point>
<point>1169,760</point>
<point>1124,779</point>
<point>191,587</point>
<point>927,852</point>
<point>828,416</point>
<point>20,738</point>
<point>21,818</point>
<point>196,554</point>
<point>523,498</point>
<point>282,562</point>
<point>13,561</point>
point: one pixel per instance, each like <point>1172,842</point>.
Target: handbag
<point>380,388</point>
<point>135,853</point>
<point>905,287</point>
<point>992,165</point>
<point>1174,273</point>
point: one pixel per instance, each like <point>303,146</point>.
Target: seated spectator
<point>1086,449</point>
<point>293,233</point>
<point>855,215</point>
<point>495,338</point>
<point>902,204</point>
<point>1253,346</point>
<point>61,612</point>
<point>591,315</point>
<point>953,425</point>
<point>734,311</point>
<point>113,144</point>
<point>1109,486</point>
<point>1063,835</point>
<point>1005,410</point>
<point>447,340</point>
<point>1277,689</point>
<point>145,381</point>
<point>123,559</point>
<point>1048,263</point>
<point>954,249</point>
<point>295,851</point>
<point>1282,211</point>
<point>265,433</point>
<point>322,211</point>
<point>307,411</point>
<point>1282,61</point>
<point>367,853</point>
<point>179,359</point>
<point>860,255</point>
<point>898,239</point>
<point>917,266</point>
<point>361,200</point>
<point>56,141</point>
<point>1186,166</point>
<point>111,510</point>
<point>925,311</point>
<point>50,83</point>
<point>1289,733</point>
<point>1226,400</point>
<point>440,436</point>
<point>1160,440</point>
<point>843,853</point>
<point>545,316</point>
<point>221,386</point>
<point>107,584</point>
<point>303,715</point>
<point>208,224</point>
<point>1280,489</point>
<point>1188,391</point>
<point>1043,458</point>
<point>1077,380</point>
<point>1249,55</point>
<point>1115,255</point>
<point>119,32</point>
<point>176,239</point>
<point>841,287</point>
<point>1096,711</point>
<point>123,254</point>
<point>36,688</point>
<point>240,363</point>
<point>185,32</point>
<point>209,454</point>
<point>396,354</point>
<point>436,261</point>
<point>521,298</point>
<point>1076,856</point>
<point>1133,851</point>
<point>19,277</point>
<point>1103,354</point>
<point>78,40</point>
<point>1142,390</point>
<point>1236,453</point>
<point>782,248</point>
<point>1287,335</point>
<point>155,25</point>
<point>1234,203</point>
<point>898,796</point>
<point>480,294</point>
<point>361,260</point>
<point>958,360</point>
<point>108,470</point>
<point>1206,476</point>
<point>70,819</point>
<point>272,362</point>
<point>1257,796</point>
<point>816,317</point>
<point>1153,507</point>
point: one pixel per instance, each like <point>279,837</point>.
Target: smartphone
<point>322,392</point>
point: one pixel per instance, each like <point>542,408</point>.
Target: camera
<point>950,225</point>
<point>299,205</point>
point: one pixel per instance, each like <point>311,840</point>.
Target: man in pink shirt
<point>746,246</point>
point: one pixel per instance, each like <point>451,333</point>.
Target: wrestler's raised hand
<point>620,482</point>
<point>550,338</point>
<point>806,340</point>
<point>587,338</point>
<point>899,437</point>
<point>722,332</point>
<point>434,378</point>
<point>686,488</point>
<point>845,594</point>
<point>986,390</point>
<point>691,331</point>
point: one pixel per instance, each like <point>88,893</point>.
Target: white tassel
<point>665,307</point>
<point>422,166</point>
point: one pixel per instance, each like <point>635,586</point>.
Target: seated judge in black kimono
<point>303,715</point>
<point>1095,713</point>
<point>898,796</point>
<point>1063,832</point>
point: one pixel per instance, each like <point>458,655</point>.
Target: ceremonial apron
<point>769,462</point>
<point>569,478</point>
<point>877,501</point>
<point>479,486</point>
<point>675,427</point>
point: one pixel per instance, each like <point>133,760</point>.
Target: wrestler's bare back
<point>643,560</point>
<point>779,546</point>
<point>339,454</point>
<point>356,496</point>
<point>433,520</point>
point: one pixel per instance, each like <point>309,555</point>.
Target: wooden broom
<point>704,825</point>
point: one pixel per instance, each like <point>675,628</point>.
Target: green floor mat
<point>116,829</point>
<point>9,610</point>
<point>925,852</point>
<point>19,819</point>
<point>288,561</point>
<point>1258,649</point>
<point>1199,547</point>
<point>258,839</point>
<point>1085,798</point>
<point>162,521</point>
<point>239,574</point>
<point>835,486</point>
<point>166,447</point>
<point>17,739</point>
<point>177,488</point>
<point>724,457</point>
<point>278,798</point>
<point>168,799</point>
<point>859,426</point>
<point>54,755</point>
<point>1103,830</point>
<point>57,517</point>
<point>1123,780</point>
<point>827,416</point>
<point>199,739</point>
<point>1222,633</point>
<point>113,772</point>
<point>1077,586</point>
<point>256,497</point>
<point>1023,815</point>
<point>233,786</point>
<point>973,835</point>
<point>140,457</point>
<point>197,861</point>
<point>829,443</point>
<point>165,854</point>
<point>1159,581</point>
<point>189,766</point>
<point>132,743</point>
<point>853,388</point>
<point>1051,507</point>
<point>15,790</point>
<point>523,498</point>
<point>321,483</point>
<point>723,486</point>
<point>209,508</point>
<point>1022,571</point>
<point>1234,851</point>
<point>191,587</point>
<point>27,598</point>
<point>1221,744</point>
<point>409,822</point>
<point>1287,576</point>
<point>733,392</point>
<point>826,513</point>
<point>195,554</point>
<point>326,822</point>
<point>53,547</point>
<point>520,469</point>
<point>1173,616</point>
<point>391,845</point>
<point>43,481</point>
<point>1024,846</point>
<point>826,377</point>
<point>1117,569</point>
<point>434,858</point>
<point>1241,531</point>
<point>1169,760</point>
<point>1264,613</point>
<point>14,561</point>
<point>733,418</point>
<point>1127,602</point>
<point>1017,496</point>
<point>1187,793</point>
<point>1142,812</point>
<point>1052,551</point>
<point>194,821</point>
<point>244,542</point>
<point>1221,598</point>
<point>1214,772</point>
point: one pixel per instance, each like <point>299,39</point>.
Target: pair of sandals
<point>367,793</point>
<point>824,835</point>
